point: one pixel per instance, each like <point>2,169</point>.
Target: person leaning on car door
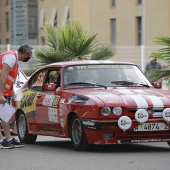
<point>8,73</point>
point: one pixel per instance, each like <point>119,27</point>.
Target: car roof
<point>82,62</point>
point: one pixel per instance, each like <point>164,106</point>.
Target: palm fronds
<point>71,42</point>
<point>158,74</point>
<point>51,36</point>
<point>162,54</point>
<point>75,40</point>
<point>49,55</point>
<point>163,40</point>
<point>103,52</point>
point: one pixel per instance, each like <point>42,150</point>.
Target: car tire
<point>78,137</point>
<point>22,129</point>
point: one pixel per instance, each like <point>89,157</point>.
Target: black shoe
<point>16,143</point>
<point>6,145</point>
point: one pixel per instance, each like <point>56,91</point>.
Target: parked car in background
<point>92,102</point>
<point>20,80</point>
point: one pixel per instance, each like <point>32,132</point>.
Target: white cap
<point>152,58</point>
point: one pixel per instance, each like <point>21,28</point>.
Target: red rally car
<point>92,102</point>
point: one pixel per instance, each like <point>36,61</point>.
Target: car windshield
<point>106,75</point>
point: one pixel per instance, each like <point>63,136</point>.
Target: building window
<point>31,23</point>
<point>7,41</point>
<point>139,1</point>
<point>65,15</point>
<point>42,18</point>
<point>55,21</point>
<point>53,18</point>
<point>139,30</point>
<point>113,2</point>
<point>7,21</point>
<point>113,31</point>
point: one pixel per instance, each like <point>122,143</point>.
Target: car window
<point>52,80</point>
<point>48,76</point>
<point>37,81</point>
<point>52,76</point>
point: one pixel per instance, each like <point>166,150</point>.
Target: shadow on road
<point>65,144</point>
<point>131,148</point>
<point>117,148</point>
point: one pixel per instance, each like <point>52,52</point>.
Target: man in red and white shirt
<point>8,73</point>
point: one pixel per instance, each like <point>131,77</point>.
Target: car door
<point>46,103</point>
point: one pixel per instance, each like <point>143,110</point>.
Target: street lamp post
<point>143,37</point>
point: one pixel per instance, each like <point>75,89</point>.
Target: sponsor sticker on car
<point>51,100</point>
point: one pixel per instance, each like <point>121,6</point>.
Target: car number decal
<point>50,100</point>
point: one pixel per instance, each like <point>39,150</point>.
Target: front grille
<point>155,113</point>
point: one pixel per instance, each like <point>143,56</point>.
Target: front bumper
<point>97,130</point>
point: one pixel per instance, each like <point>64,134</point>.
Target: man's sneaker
<point>6,145</point>
<point>16,143</point>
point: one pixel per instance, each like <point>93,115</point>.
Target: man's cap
<point>151,58</point>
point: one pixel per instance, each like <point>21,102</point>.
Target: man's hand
<point>2,100</point>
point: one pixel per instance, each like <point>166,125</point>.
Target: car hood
<point>129,97</point>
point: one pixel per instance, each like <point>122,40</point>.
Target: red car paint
<point>74,110</point>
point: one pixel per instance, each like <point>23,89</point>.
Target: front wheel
<point>78,137</point>
<point>22,129</point>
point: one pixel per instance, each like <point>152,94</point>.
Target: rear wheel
<point>22,129</point>
<point>78,137</point>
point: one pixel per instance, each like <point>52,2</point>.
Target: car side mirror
<point>157,85</point>
<point>49,87</point>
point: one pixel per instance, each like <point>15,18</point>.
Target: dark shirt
<point>150,67</point>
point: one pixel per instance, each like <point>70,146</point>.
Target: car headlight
<point>105,111</point>
<point>117,111</point>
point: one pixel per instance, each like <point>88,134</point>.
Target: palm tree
<point>71,42</point>
<point>162,54</point>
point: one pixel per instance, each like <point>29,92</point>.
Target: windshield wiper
<point>87,83</point>
<point>129,83</point>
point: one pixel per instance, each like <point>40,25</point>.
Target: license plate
<point>151,127</point>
